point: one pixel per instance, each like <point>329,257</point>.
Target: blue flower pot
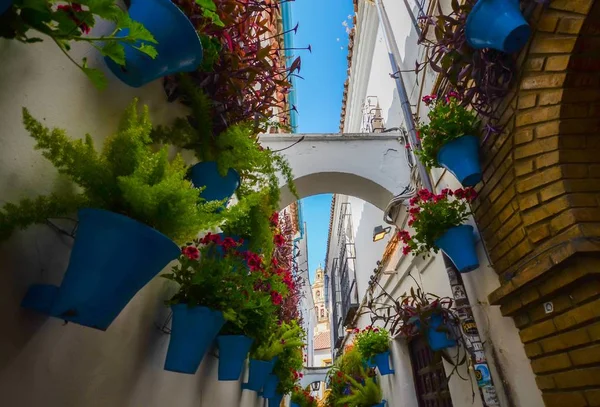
<point>233,350</point>
<point>5,5</point>
<point>270,387</point>
<point>438,340</point>
<point>294,405</point>
<point>217,188</point>
<point>382,360</point>
<point>497,24</point>
<point>275,401</point>
<point>461,158</point>
<point>179,47</point>
<point>113,257</point>
<point>258,373</point>
<point>382,404</point>
<point>370,363</point>
<point>459,244</point>
<point>193,331</point>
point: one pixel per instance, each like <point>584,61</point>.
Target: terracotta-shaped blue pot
<point>438,338</point>
<point>497,24</point>
<point>193,330</point>
<point>459,245</point>
<point>179,47</point>
<point>233,350</point>
<point>5,5</point>
<point>113,257</point>
<point>382,360</point>
<point>216,187</point>
<point>258,373</point>
<point>461,158</point>
<point>270,387</point>
<point>275,401</point>
<point>382,404</point>
<point>294,405</point>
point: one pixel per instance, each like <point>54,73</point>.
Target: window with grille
<point>429,375</point>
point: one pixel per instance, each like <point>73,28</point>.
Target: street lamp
<point>315,386</point>
<point>379,232</point>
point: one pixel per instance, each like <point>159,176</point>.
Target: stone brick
<point>538,115</point>
<point>574,170</point>
<point>585,356</point>
<point>560,303</point>
<point>553,190</point>
<point>537,331</point>
<point>539,179</point>
<point>534,64</point>
<point>569,25</point>
<point>538,233</point>
<point>524,167</point>
<point>566,340</point>
<point>593,397</point>
<point>594,331</point>
<point>521,320</point>
<point>576,6</point>
<point>527,101</point>
<point>550,128</point>
<point>580,156</point>
<point>533,349</point>
<point>585,291</point>
<point>547,159</point>
<point>523,136</point>
<point>551,363</point>
<point>542,81</point>
<point>577,316</point>
<point>528,201</point>
<point>564,277</point>
<point>577,378</point>
<point>548,22</point>
<point>537,147</point>
<point>545,383</point>
<point>574,110</point>
<point>557,63</point>
<point>552,44</point>
<point>571,399</point>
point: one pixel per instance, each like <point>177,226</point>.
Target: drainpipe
<point>469,330</point>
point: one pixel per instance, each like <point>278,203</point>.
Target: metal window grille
<point>430,378</point>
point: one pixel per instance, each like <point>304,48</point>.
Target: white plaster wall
<point>42,361</point>
<point>307,305</point>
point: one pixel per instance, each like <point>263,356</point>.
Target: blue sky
<point>319,95</point>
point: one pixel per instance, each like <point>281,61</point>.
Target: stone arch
<point>372,167</point>
<point>539,211</point>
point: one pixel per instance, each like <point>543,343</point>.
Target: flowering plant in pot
<point>132,201</point>
<point>264,354</point>
<point>72,22</point>
<point>374,346</point>
<point>302,398</point>
<point>214,286</point>
<point>350,363</point>
<point>438,222</point>
<point>286,370</point>
<point>449,139</point>
<point>227,159</point>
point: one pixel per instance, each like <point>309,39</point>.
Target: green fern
<point>363,395</point>
<point>127,177</point>
<point>286,336</point>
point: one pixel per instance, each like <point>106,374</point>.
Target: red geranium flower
<point>191,252</point>
<point>72,10</point>
<point>279,240</point>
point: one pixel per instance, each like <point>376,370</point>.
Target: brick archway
<point>540,202</point>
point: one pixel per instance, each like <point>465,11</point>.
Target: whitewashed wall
<point>42,361</point>
<point>307,304</point>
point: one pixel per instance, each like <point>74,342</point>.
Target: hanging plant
<point>72,22</point>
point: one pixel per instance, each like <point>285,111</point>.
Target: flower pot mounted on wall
<point>112,259</point>
<point>382,404</point>
<point>258,373</point>
<point>5,5</point>
<point>382,360</point>
<point>270,387</point>
<point>275,401</point>
<point>193,331</point>
<point>216,187</point>
<point>459,244</point>
<point>497,24</point>
<point>179,47</point>
<point>461,158</point>
<point>233,350</point>
<point>439,338</point>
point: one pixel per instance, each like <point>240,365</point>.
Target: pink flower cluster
<point>429,99</point>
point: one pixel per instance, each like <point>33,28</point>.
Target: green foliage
<point>209,11</point>
<point>72,22</point>
<point>283,337</point>
<point>448,120</point>
<point>127,177</point>
<point>288,368</point>
<point>432,215</point>
<point>366,392</point>
<point>211,48</point>
<point>303,398</point>
<point>372,341</point>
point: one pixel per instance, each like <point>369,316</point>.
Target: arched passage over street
<point>372,166</point>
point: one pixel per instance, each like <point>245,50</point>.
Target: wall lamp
<point>379,232</point>
<point>315,386</point>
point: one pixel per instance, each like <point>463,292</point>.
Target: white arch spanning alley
<point>372,166</point>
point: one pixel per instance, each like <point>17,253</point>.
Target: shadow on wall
<point>44,362</point>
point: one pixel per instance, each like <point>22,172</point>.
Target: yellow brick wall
<point>539,206</point>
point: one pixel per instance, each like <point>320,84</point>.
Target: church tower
<point>321,334</point>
